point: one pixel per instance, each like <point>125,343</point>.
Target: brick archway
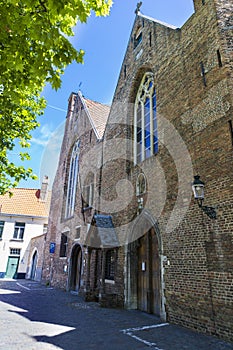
<point>145,290</point>
<point>75,268</point>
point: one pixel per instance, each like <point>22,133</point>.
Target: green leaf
<point>34,49</point>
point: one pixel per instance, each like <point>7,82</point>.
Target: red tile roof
<point>25,201</point>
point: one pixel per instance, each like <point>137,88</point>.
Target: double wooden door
<point>149,299</point>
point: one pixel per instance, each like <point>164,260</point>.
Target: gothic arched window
<point>72,181</point>
<point>145,122</point>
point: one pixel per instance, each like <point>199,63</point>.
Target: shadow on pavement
<point>47,318</point>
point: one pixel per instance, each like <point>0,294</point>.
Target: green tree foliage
<point>34,50</point>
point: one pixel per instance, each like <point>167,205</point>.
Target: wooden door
<point>142,274</point>
<point>149,274</point>
<point>78,270</point>
<point>12,267</point>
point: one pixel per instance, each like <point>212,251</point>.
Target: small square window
<point>14,251</point>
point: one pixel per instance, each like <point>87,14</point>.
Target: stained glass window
<point>145,122</point>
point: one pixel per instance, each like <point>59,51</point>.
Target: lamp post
<point>198,187</point>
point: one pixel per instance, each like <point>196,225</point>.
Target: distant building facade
<point>73,193</point>
<point>23,217</point>
<point>142,241</point>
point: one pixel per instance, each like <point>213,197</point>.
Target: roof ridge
<point>96,112</point>
<point>158,21</point>
<point>100,103</point>
<point>26,188</point>
<point>89,115</point>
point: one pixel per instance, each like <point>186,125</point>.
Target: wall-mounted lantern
<point>198,187</point>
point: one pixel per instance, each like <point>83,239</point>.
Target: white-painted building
<point>23,217</point>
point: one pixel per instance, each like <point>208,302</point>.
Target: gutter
<point>23,216</point>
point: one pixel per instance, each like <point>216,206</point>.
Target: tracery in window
<point>145,121</point>
<point>72,181</point>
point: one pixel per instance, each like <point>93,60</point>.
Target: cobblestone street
<point>36,317</point>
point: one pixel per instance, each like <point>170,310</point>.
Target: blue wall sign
<point>52,248</point>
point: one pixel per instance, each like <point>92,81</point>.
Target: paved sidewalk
<point>36,317</point>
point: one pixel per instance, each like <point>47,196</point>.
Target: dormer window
<point>138,37</point>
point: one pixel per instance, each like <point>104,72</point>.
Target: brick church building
<point>125,228</point>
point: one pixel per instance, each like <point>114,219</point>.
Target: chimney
<point>44,189</point>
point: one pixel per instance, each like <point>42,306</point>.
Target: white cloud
<point>39,142</point>
<point>44,135</point>
<point>45,131</point>
<point>50,157</point>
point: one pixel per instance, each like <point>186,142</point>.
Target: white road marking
<point>20,285</point>
<point>130,331</point>
<point>47,288</point>
<point>143,341</point>
<point>6,291</point>
<point>32,289</point>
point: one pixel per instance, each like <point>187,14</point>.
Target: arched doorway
<point>34,264</point>
<point>144,272</point>
<point>76,268</point>
<point>148,277</point>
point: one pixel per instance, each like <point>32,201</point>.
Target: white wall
<point>33,227</point>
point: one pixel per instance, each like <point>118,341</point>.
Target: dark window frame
<point>15,251</point>
<point>2,223</point>
<point>138,37</point>
<point>110,263</point>
<point>203,73</point>
<point>219,58</point>
<point>145,120</point>
<point>63,246</point>
<point>231,130</point>
<point>19,230</point>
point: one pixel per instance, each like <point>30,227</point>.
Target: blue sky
<point>104,40</point>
